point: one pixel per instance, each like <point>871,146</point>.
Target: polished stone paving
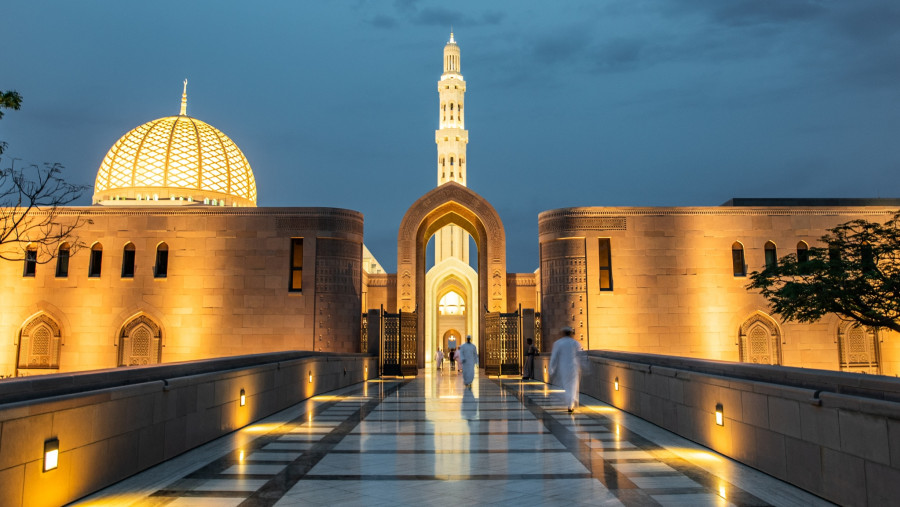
<point>428,440</point>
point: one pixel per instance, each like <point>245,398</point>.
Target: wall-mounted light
<point>51,454</point>
<point>241,457</point>
<point>243,398</point>
<point>720,415</point>
<point>367,370</point>
<point>722,491</point>
<point>310,377</point>
<point>616,383</point>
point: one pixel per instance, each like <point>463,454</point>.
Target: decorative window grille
<point>140,342</point>
<point>39,344</point>
<point>759,340</point>
<point>858,348</point>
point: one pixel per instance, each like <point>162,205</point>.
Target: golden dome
<point>176,159</point>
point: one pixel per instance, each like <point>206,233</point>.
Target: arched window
<point>39,342</point>
<point>760,340</point>
<point>737,259</point>
<point>451,160</point>
<point>96,260</point>
<point>128,254</point>
<point>30,261</point>
<point>452,304</point>
<point>161,268</point>
<point>140,342</point>
<point>858,348</point>
<point>771,256</point>
<point>802,252</point>
<point>62,261</point>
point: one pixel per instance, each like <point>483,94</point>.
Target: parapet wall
<point>834,434</point>
<point>111,424</point>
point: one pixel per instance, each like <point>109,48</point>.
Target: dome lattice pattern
<point>176,157</point>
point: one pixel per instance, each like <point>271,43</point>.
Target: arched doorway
<point>450,204</point>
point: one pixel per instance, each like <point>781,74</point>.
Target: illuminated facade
<point>178,264</point>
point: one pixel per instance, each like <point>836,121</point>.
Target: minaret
<point>451,139</point>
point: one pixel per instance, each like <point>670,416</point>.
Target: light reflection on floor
<point>413,441</point>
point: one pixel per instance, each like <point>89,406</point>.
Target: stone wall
<point>226,291</point>
<point>673,288</point>
<point>834,434</point>
<point>113,424</point>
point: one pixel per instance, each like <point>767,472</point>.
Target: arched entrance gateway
<point>450,204</point>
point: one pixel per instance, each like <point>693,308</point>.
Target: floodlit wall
<point>227,290</point>
<point>671,283</point>
<point>834,434</point>
<point>112,424</point>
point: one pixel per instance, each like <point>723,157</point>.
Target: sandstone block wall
<point>834,434</point>
<point>226,292</point>
<point>673,287</point>
<point>108,434</point>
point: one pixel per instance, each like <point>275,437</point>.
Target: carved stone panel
<point>564,283</point>
<point>338,295</point>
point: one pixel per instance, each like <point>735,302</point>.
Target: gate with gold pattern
<point>502,344</point>
<point>398,344</point>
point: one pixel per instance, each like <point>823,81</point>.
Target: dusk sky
<point>576,103</point>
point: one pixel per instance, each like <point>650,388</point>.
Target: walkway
<point>429,440</point>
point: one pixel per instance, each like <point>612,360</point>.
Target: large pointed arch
<point>450,204</point>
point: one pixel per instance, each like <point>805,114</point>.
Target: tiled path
<point>429,440</point>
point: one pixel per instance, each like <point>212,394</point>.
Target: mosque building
<point>179,263</point>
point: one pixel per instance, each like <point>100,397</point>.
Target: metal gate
<point>502,344</point>
<point>398,344</point>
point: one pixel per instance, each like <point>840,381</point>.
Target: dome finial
<point>184,100</point>
<point>451,35</point>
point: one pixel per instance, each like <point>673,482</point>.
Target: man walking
<point>468,359</point>
<point>565,366</point>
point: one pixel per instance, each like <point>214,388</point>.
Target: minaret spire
<point>451,139</point>
<point>184,100</point>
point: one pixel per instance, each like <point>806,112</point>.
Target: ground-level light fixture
<point>243,398</point>
<point>720,415</point>
<point>310,377</point>
<point>51,454</point>
<point>616,383</point>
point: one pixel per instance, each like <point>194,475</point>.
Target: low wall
<point>111,424</point>
<point>834,434</point>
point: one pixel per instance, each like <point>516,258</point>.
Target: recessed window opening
<point>161,268</point>
<point>296,276</point>
<point>128,255</point>
<point>737,259</point>
<point>96,261</point>
<point>771,256</point>
<point>62,261</point>
<point>30,261</point>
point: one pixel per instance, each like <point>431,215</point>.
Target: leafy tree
<point>9,100</point>
<point>30,202</point>
<point>856,276</point>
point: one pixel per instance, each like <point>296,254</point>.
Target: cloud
<point>413,13</point>
<point>382,21</point>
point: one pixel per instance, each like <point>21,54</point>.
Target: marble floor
<point>428,440</point>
